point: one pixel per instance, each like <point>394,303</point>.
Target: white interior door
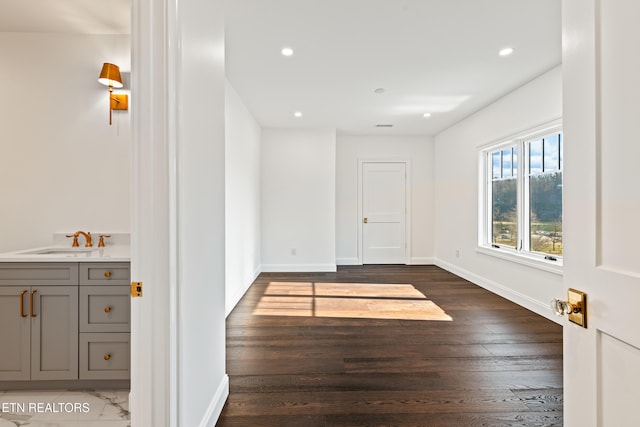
<point>601,68</point>
<point>384,207</point>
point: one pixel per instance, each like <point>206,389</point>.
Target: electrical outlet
<point>457,253</point>
<point>294,251</point>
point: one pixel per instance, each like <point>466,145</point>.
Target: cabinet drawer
<point>38,273</point>
<point>104,309</point>
<point>104,356</point>
<point>112,273</point>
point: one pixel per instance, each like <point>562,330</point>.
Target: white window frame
<point>518,254</point>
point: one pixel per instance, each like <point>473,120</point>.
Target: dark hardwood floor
<point>328,349</point>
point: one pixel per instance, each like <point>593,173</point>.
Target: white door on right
<point>601,66</point>
<point>384,213</point>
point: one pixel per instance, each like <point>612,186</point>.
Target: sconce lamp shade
<point>110,75</point>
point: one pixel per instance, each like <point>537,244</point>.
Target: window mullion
<point>488,238</point>
<point>524,187</point>
<point>542,162</point>
<point>559,152</point>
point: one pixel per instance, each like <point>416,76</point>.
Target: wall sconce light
<point>110,76</point>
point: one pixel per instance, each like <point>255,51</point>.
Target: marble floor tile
<point>86,408</point>
<point>111,423</point>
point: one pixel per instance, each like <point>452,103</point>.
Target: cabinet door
<point>54,333</point>
<point>14,333</point>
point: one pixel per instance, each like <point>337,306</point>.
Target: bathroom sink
<point>59,251</point>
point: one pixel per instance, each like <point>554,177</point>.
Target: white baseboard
<point>417,260</point>
<point>413,261</point>
<point>298,268</point>
<point>525,301</point>
<point>217,404</point>
<point>347,261</point>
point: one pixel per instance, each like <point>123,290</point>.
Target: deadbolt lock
<point>136,289</point>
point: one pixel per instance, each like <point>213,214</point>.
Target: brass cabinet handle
<point>22,303</point>
<point>107,274</point>
<point>107,356</point>
<point>107,309</point>
<point>366,220</point>
<point>31,304</point>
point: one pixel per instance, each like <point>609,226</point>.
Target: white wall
<point>456,200</point>
<point>178,236</point>
<point>62,167</point>
<point>419,151</point>
<point>242,198</point>
<point>202,379</point>
<point>298,200</point>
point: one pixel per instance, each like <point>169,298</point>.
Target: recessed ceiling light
<point>297,114</point>
<point>379,91</point>
<point>427,114</point>
<point>287,51</point>
<point>506,51</point>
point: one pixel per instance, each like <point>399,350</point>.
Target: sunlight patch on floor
<point>348,300</point>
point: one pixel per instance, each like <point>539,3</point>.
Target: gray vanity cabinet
<point>64,321</point>
<point>38,321</point>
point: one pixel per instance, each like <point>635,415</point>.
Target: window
<point>504,197</point>
<point>521,200</point>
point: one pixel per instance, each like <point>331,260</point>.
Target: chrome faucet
<point>87,237</point>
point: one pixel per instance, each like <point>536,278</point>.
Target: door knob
<point>575,307</point>
<point>560,308</point>
<point>366,220</point>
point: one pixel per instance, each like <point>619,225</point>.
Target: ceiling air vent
<point>384,126</point>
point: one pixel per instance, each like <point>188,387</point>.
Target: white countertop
<point>116,249</point>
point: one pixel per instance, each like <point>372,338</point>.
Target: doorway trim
<point>154,317</point>
<point>407,183</point>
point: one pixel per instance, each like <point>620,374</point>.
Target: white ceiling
<point>437,56</point>
<point>66,16</point>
